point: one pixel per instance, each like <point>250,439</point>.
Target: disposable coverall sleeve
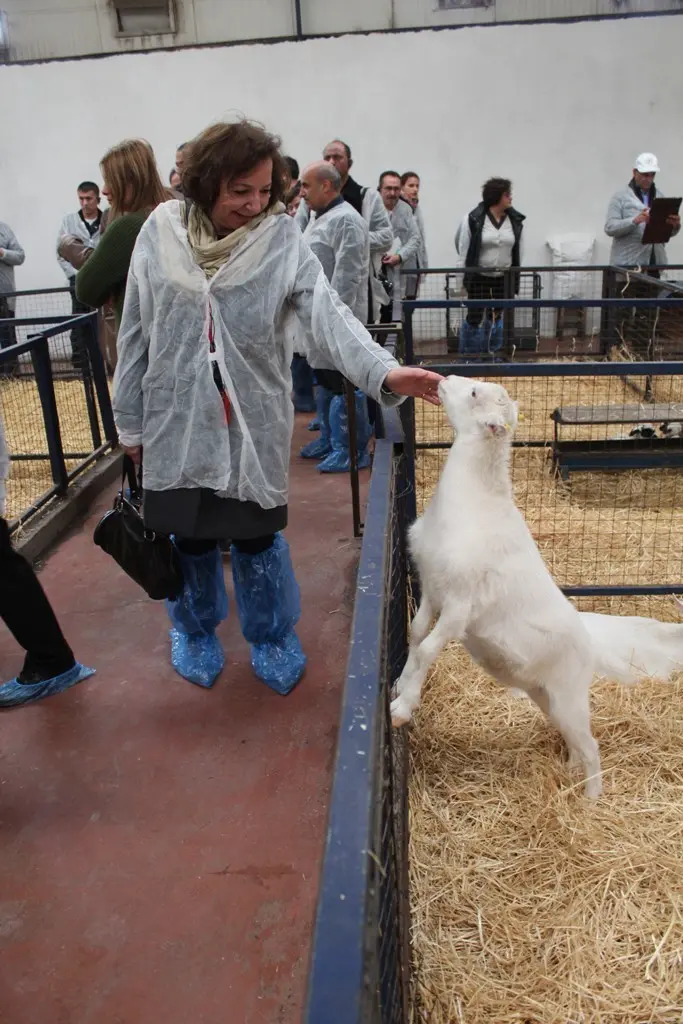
<point>377,218</point>
<point>302,215</point>
<point>350,268</point>
<point>424,258</point>
<point>132,346</point>
<point>13,254</point>
<point>336,340</point>
<point>616,225</point>
<point>410,246</point>
<point>462,240</point>
<point>64,263</point>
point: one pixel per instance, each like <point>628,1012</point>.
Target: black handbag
<point>149,558</point>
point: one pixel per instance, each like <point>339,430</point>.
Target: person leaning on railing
<point>49,666</point>
<point>489,238</point>
<point>202,391</point>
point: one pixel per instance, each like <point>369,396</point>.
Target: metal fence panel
<point>551,312</point>
<point>55,404</point>
<point>360,969</point>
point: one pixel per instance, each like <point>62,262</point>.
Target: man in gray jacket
<point>86,226</point>
<point>340,239</point>
<point>629,212</point>
<point>11,255</point>
<point>367,202</point>
<point>405,245</point>
<point>627,216</point>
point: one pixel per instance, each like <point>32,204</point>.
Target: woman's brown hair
<point>225,152</point>
<point>131,176</point>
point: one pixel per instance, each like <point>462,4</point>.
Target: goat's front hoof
<point>401,712</point>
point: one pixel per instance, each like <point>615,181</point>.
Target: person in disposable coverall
<point>202,391</point>
<point>406,241</point>
<point>339,238</point>
<point>49,666</point>
<point>368,203</point>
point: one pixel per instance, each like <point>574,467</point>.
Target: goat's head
<point>478,408</point>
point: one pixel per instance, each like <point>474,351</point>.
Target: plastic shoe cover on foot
<point>197,657</point>
<point>339,461</point>
<point>14,693</point>
<point>317,449</point>
<point>496,339</point>
<point>203,603</point>
<point>322,446</point>
<point>468,341</point>
<point>280,665</point>
<point>269,605</point>
<point>314,424</point>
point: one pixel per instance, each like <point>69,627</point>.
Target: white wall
<point>561,109</point>
<point>44,29</point>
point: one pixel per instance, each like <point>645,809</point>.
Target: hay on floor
<point>531,905</point>
<point>25,431</point>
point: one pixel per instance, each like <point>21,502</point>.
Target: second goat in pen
<point>487,586</point>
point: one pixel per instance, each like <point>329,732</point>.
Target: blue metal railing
<point>351,981</point>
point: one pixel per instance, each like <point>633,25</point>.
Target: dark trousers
<point>28,615</point>
<point>636,326</point>
<point>82,333</point>
<point>481,287</point>
<point>8,337</point>
<point>302,384</point>
<point>247,547</point>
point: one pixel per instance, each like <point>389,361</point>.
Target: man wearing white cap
<point>629,212</point>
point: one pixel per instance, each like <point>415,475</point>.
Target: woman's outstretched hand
<point>414,381</point>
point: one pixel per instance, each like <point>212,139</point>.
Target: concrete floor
<point>160,844</point>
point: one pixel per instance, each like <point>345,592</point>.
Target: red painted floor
<point>160,844</point>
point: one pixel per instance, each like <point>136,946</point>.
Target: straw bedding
<point>530,905</point>
<point>25,431</point>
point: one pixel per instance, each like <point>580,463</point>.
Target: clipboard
<point>657,231</point>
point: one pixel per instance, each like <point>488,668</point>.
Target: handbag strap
<point>129,473</point>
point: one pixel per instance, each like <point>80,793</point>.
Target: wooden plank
<point>658,412</point>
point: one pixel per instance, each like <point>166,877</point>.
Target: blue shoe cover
<point>269,606</point>
<point>496,339</point>
<point>197,657</point>
<point>314,424</point>
<point>196,653</point>
<point>470,339</point>
<point>14,693</point>
<point>317,449</point>
<point>339,461</point>
<point>322,446</point>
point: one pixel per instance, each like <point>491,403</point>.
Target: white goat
<point>483,577</point>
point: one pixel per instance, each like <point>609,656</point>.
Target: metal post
<point>350,399</point>
<point>408,335</point>
<point>48,402</point>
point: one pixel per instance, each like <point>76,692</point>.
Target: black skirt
<point>196,513</point>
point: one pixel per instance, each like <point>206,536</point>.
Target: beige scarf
<point>212,252</point>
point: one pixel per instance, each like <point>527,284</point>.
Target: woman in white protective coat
<point>202,392</point>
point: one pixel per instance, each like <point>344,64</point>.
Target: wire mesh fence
<point>55,405</point>
<point>596,470</point>
<point>360,972</point>
<point>541,313</point>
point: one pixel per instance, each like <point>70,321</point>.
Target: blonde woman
<point>133,187</point>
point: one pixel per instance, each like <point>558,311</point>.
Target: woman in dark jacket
<point>490,240</point>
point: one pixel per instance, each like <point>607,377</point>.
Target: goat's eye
<point>474,392</point>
